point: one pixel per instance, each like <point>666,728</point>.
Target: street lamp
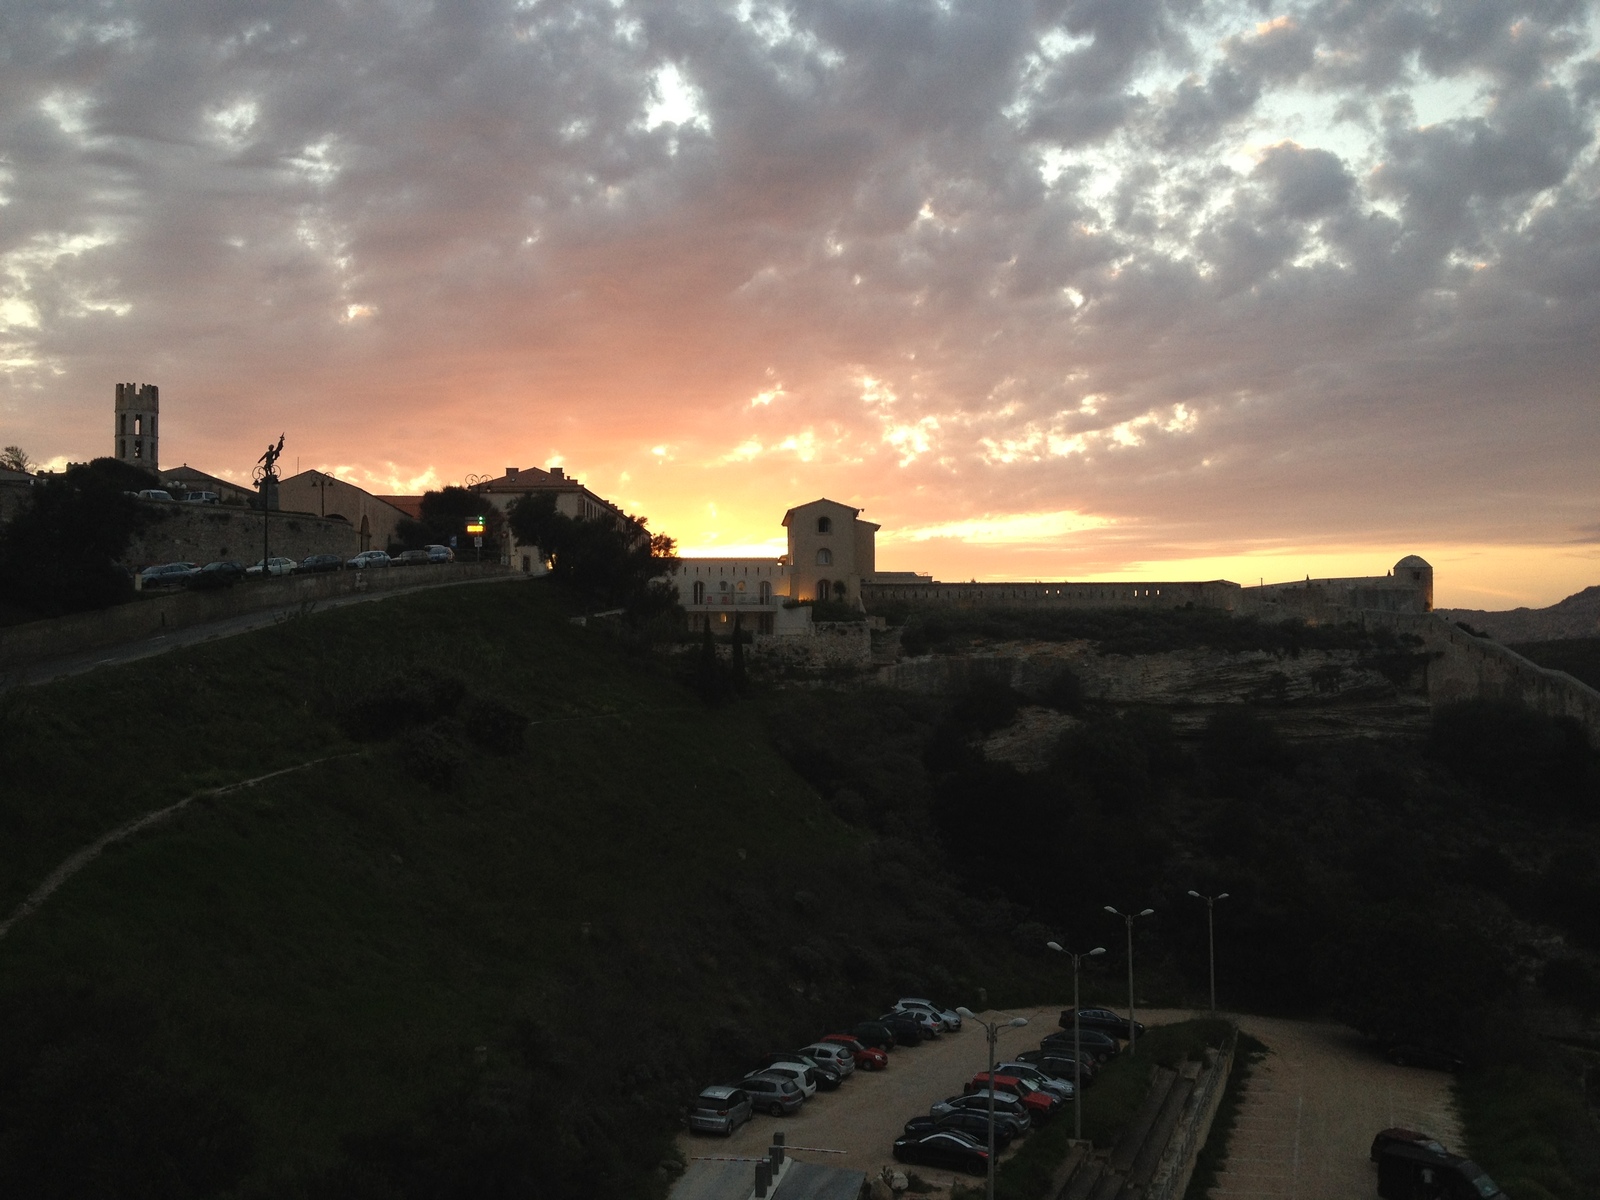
<point>1211,941</point>
<point>1077,1050</point>
<point>992,1028</point>
<point>1130,918</point>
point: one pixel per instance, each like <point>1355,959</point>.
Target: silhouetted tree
<point>613,561</point>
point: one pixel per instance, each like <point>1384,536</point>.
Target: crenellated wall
<point>1216,593</point>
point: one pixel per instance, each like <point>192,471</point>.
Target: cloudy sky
<point>1071,289</point>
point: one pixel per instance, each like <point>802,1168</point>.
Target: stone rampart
<point>1216,593</point>
<point>202,533</point>
<point>830,646</point>
<point>41,641</point>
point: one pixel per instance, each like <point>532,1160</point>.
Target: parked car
<point>827,1078</point>
<point>1398,1136</point>
<point>907,1030</point>
<point>200,498</point>
<point>165,575</point>
<point>1041,1104</point>
<point>974,1124</point>
<point>369,558</point>
<point>271,566</point>
<point>720,1109</point>
<point>1057,1061</point>
<point>1409,1054</point>
<point>772,1093</point>
<point>835,1057</point>
<point>1004,1102</point>
<point>802,1075</point>
<point>214,575</point>
<point>412,558</point>
<point>1415,1172</point>
<point>930,1025</point>
<point>950,1017</point>
<point>1102,1019</point>
<point>1060,1088</point>
<point>947,1148</point>
<point>867,1058</point>
<point>1102,1045</point>
<point>155,494</point>
<point>876,1033</point>
<point>314,563</point>
<point>919,1011</point>
<point>440,554</point>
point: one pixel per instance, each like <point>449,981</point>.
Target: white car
<point>829,1054</point>
<point>911,1006</point>
<point>369,558</point>
<point>272,566</point>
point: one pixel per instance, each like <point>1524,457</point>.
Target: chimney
<point>558,473</point>
<point>511,472</point>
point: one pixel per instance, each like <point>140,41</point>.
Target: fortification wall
<point>1216,593</point>
<point>830,646</point>
<point>203,533</point>
<point>1463,667</point>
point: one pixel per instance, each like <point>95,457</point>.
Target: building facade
<point>571,497</point>
<point>136,439</point>
<point>374,519</point>
<point>832,551</point>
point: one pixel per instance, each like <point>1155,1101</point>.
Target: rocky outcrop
<point>1575,617</point>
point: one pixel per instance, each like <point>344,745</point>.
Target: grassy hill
<point>432,964</point>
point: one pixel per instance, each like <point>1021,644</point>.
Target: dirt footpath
<point>1304,1128</point>
<point>870,1110</point>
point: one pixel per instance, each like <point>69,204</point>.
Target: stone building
<point>571,497</point>
<point>136,439</point>
<point>1407,588</point>
<point>832,551</point>
<point>375,519</point>
<point>191,479</point>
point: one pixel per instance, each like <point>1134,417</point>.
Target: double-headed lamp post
<point>1077,1050</point>
<point>1133,1046</point>
<point>1211,941</point>
<point>992,1028</point>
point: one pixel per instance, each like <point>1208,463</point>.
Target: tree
<point>15,458</point>
<point>609,560</point>
<point>60,554</point>
<point>444,515</point>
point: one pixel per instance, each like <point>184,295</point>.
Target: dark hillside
<point>1578,657</point>
<point>438,964</point>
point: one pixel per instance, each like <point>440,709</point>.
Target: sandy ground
<point>1304,1128</point>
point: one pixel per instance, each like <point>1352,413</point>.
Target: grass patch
<point>378,976</point>
<point>1527,1128</point>
<point>1247,1053</point>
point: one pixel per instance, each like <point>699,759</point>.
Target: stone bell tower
<point>137,409</point>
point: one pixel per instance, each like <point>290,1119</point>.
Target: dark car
<point>974,1125</point>
<point>875,1033</point>
<point>166,575</point>
<point>907,1030</point>
<point>1040,1103</point>
<point>978,1102</point>
<point>946,1148</point>
<point>412,558</point>
<point>1414,1172</point>
<point>214,575</point>
<point>315,563</point>
<point>1101,1045</point>
<point>1410,1054</point>
<point>1102,1019</point>
<point>868,1058</point>
<point>1057,1061</point>
<point>1396,1136</point>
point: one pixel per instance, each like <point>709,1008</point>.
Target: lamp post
<point>992,1028</point>
<point>1077,1050</point>
<point>1133,1046</point>
<point>1211,941</point>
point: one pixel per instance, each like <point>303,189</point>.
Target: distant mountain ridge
<point>1578,616</point>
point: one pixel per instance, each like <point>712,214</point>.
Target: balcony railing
<point>732,600</point>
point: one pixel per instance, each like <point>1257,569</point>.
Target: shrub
<point>401,702</point>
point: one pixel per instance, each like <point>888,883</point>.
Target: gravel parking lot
<point>1304,1128</point>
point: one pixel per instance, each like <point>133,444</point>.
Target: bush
<point>401,702</point>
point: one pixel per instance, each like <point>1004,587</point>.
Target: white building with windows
<point>831,553</point>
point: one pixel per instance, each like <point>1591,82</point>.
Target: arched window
<point>824,590</point>
<point>824,557</point>
<point>739,587</point>
<point>824,524</point>
<point>766,591</point>
<point>699,591</point>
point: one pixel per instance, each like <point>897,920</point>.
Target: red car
<point>1040,1104</point>
<point>868,1058</point>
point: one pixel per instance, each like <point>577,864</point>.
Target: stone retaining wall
<point>202,533</point>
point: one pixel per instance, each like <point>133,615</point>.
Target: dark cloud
<point>1138,257</point>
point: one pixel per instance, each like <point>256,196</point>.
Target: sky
<point>1073,289</point>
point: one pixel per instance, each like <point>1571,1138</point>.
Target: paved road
<point>77,664</point>
<point>1304,1129</point>
<point>1308,1115</point>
